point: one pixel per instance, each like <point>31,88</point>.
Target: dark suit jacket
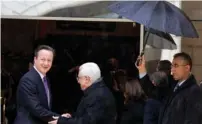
<point>96,107</point>
<point>32,103</point>
<point>151,111</point>
<point>133,112</point>
<point>184,106</point>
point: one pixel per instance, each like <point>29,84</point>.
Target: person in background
<point>119,78</point>
<point>97,105</point>
<point>163,65</point>
<point>6,80</point>
<point>159,94</point>
<point>7,94</point>
<point>134,103</point>
<point>200,84</point>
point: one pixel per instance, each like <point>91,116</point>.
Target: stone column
<point>194,46</point>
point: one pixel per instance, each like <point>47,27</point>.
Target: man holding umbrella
<point>184,104</point>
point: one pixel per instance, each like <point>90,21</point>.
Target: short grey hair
<point>160,78</point>
<point>90,69</point>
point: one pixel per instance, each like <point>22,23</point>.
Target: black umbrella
<point>158,15</point>
<point>159,40</point>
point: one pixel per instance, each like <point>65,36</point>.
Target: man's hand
<point>55,121</point>
<point>141,65</point>
<point>67,115</point>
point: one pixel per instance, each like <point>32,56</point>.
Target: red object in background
<point>43,29</point>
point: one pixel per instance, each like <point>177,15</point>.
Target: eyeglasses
<point>80,77</point>
<point>176,65</point>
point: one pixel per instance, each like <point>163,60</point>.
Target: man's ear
<point>35,59</point>
<point>188,67</point>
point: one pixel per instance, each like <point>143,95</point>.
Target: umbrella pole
<point>143,49</point>
<point>145,42</point>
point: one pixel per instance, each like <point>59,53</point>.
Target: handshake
<point>67,115</point>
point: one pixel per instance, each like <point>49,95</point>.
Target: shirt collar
<point>41,75</point>
<point>180,83</point>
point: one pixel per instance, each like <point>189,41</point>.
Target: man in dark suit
<point>33,93</point>
<point>184,106</point>
<point>184,102</point>
<point>97,105</point>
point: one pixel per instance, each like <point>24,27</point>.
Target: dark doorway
<point>75,43</point>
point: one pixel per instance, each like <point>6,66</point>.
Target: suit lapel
<point>190,81</point>
<point>43,96</point>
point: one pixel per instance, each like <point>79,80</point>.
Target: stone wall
<point>194,46</point>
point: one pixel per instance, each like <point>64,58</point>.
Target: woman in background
<point>134,102</point>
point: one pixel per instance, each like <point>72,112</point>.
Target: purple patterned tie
<point>45,82</point>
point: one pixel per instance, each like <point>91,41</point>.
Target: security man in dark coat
<point>184,103</point>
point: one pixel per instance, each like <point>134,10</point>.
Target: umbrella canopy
<point>160,40</point>
<point>159,15</point>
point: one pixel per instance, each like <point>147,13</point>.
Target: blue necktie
<point>176,87</point>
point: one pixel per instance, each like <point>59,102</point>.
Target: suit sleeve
<point>27,95</point>
<point>95,111</point>
<point>127,116</point>
<point>151,113</point>
<point>193,114</point>
<point>146,84</point>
